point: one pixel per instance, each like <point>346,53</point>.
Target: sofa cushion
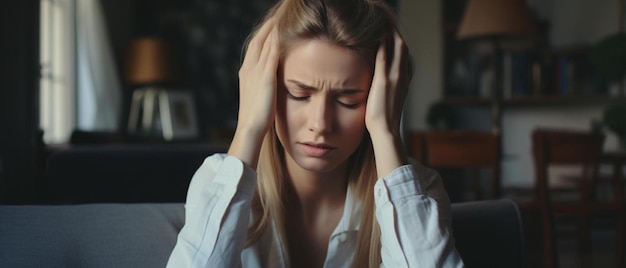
<point>94,235</point>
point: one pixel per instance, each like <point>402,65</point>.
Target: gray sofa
<point>121,206</point>
<point>487,233</point>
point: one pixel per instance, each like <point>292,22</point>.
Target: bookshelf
<point>537,101</point>
<point>533,75</point>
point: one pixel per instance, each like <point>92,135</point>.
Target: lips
<point>316,149</point>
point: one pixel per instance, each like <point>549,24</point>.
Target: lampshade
<point>500,18</point>
<point>148,60</point>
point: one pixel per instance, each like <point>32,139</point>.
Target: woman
<point>316,174</point>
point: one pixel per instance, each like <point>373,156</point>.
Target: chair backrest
<point>442,149</point>
<point>563,147</point>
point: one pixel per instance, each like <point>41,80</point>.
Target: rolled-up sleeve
<point>217,212</point>
<point>413,212</point>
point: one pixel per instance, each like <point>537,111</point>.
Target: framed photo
<point>178,114</point>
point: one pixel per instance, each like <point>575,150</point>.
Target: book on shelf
<point>516,74</point>
<point>528,73</point>
<point>520,68</point>
<point>507,65</point>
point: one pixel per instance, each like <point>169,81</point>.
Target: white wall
<point>517,166</point>
<point>423,34</point>
<point>582,21</point>
<point>572,22</point>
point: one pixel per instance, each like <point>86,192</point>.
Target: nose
<point>321,116</point>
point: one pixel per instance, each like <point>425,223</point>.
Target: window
<point>80,88</point>
<point>58,60</point>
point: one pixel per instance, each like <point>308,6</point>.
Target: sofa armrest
<point>489,233</point>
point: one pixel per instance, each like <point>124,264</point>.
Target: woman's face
<point>322,94</point>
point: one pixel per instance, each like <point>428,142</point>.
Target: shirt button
<point>380,192</point>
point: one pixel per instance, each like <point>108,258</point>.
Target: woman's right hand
<point>257,94</point>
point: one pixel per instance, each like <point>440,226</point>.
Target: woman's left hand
<point>389,88</point>
<point>385,103</point>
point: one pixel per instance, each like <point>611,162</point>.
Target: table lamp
<point>148,66</point>
<point>496,20</point>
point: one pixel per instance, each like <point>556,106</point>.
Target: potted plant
<point>614,118</point>
<point>608,57</point>
<point>609,60</point>
<point>441,116</point>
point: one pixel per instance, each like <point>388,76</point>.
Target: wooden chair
<point>451,149</point>
<point>570,148</point>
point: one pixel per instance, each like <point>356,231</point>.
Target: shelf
<point>538,100</point>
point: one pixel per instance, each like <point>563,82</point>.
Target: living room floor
<point>601,254</point>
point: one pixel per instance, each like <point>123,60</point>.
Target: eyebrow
<point>346,91</point>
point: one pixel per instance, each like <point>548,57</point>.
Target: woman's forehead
<point>318,59</point>
<point>289,45</point>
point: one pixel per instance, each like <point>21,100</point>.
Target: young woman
<point>316,175</point>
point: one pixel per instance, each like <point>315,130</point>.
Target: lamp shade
<point>500,18</point>
<point>148,60</point>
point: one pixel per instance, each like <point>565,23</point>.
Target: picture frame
<point>178,114</point>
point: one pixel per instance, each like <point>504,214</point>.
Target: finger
<point>380,68</point>
<point>399,62</point>
<point>256,44</point>
<point>268,44</point>
<point>404,63</point>
<point>271,63</point>
<point>400,70</point>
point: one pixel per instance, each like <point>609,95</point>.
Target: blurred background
<point>164,72</point>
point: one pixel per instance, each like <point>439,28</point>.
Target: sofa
<point>487,233</point>
<point>136,229</point>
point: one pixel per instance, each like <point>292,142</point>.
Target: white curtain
<point>57,84</point>
<point>99,88</point>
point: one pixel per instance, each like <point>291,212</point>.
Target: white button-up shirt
<point>412,209</point>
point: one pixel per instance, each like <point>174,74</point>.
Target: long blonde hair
<point>357,25</point>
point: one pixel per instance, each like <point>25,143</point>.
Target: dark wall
<point>19,139</point>
<point>208,36</point>
<point>118,15</point>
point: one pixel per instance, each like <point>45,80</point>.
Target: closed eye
<point>294,97</point>
<point>349,106</point>
<point>303,98</point>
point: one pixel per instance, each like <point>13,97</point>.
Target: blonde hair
<point>357,25</point>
